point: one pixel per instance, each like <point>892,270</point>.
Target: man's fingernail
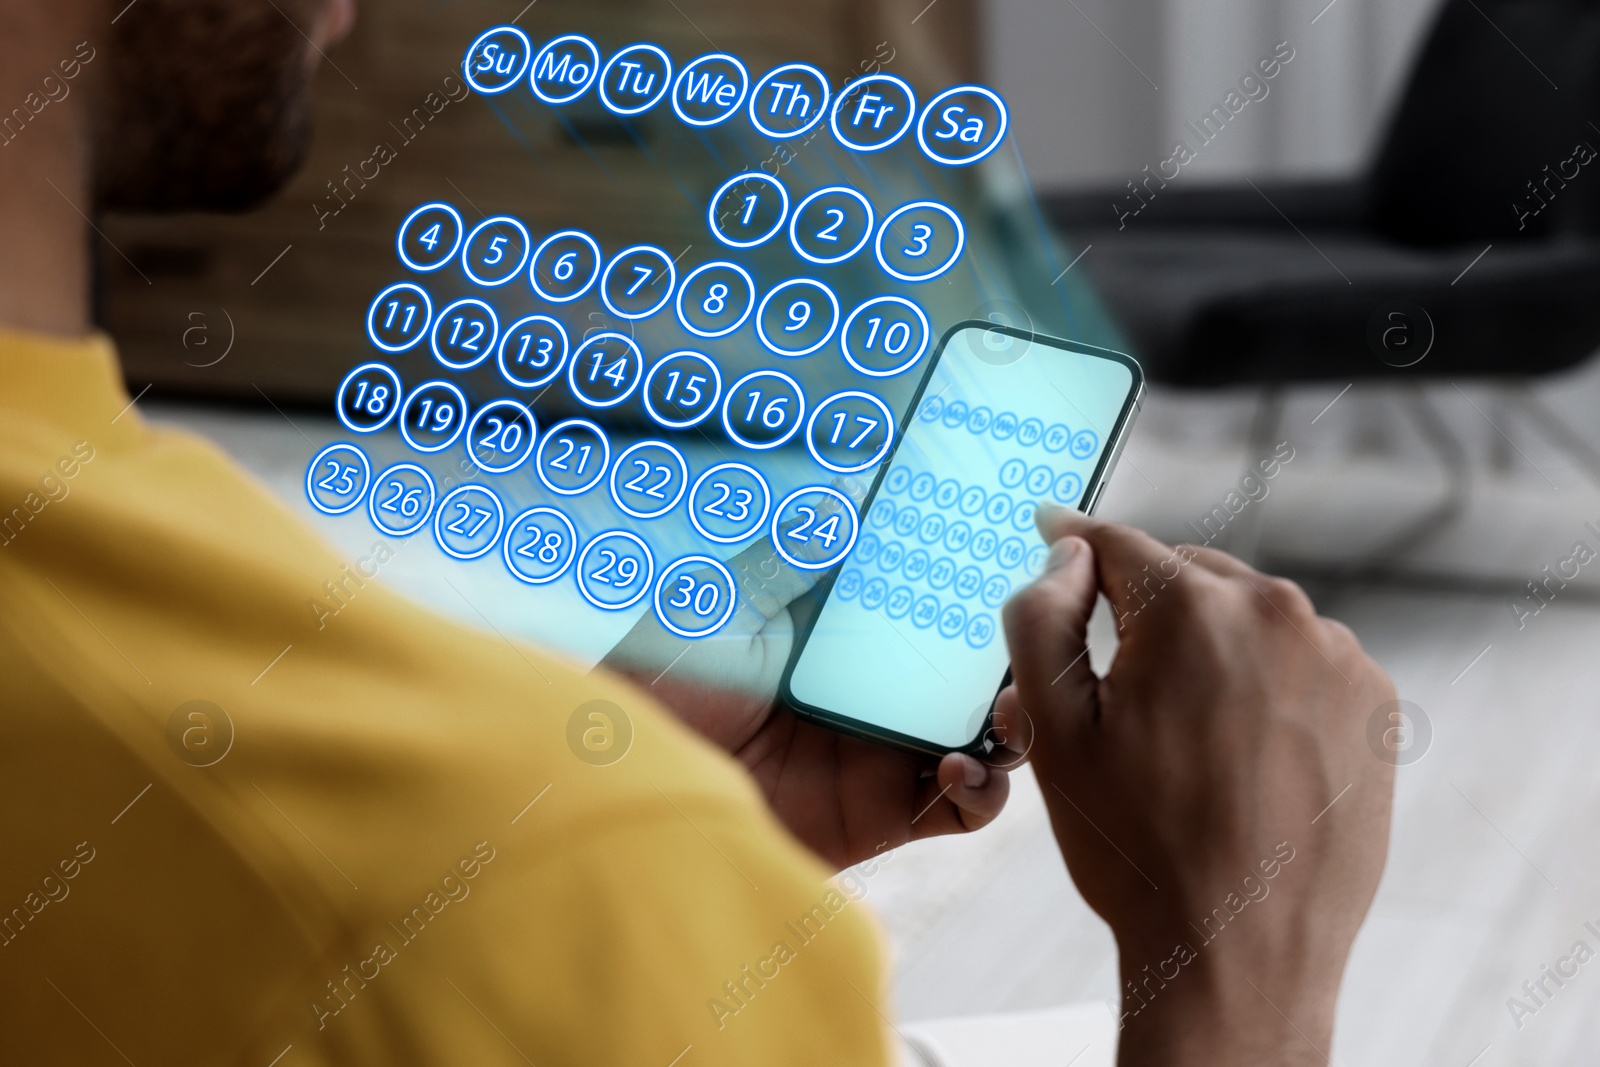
<point>1063,552</point>
<point>974,774</point>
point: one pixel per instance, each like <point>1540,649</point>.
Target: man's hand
<point>1213,795</point>
<point>845,798</point>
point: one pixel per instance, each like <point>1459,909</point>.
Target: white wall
<point>1100,88</point>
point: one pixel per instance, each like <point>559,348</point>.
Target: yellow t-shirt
<point>397,858</point>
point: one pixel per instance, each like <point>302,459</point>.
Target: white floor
<point>1495,860</point>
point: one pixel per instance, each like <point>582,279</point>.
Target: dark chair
<point>1482,209</point>
<point>1492,145</point>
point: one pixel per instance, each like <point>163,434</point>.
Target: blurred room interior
<point>1418,507</point>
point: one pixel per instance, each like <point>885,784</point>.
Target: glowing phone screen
<point>910,641</point>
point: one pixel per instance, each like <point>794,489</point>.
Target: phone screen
<point>908,643</point>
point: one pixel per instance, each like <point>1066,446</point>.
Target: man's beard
<point>207,104</point>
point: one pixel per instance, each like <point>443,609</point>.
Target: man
<point>393,852</point>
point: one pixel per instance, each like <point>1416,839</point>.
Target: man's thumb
<point>1047,626</point>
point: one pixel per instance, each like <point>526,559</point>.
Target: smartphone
<point>907,648</point>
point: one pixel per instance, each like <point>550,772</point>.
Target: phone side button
<point>1094,499</point>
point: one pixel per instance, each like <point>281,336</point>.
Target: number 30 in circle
<point>695,597</point>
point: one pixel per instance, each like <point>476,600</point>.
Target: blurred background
<point>1383,253</point>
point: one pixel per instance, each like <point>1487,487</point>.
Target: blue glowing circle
<point>676,372</point>
<point>1056,438</point>
<point>496,60</point>
<point>512,429</point>
<point>735,487</point>
<point>1039,479</point>
<point>998,509</point>
<point>566,469</point>
<point>643,496</point>
<point>473,330</point>
<point>899,326</point>
<point>968,582</point>
<point>570,75</point>
<point>437,219</point>
<point>878,107</point>
<point>503,254</point>
<point>925,612</point>
<point>758,416</point>
<point>648,62</point>
<point>788,124</point>
<point>844,432</point>
<point>527,562</point>
<point>559,254</point>
<point>956,119</point>
<point>338,491</point>
<point>838,206</point>
<point>620,376</point>
<point>906,522</point>
<point>957,536</point>
<point>716,103</point>
<point>980,631</point>
<point>760,217</point>
<point>400,326</point>
<point>952,621</point>
<point>973,500</point>
<point>1067,488</point>
<point>1011,553</point>
<point>718,609</point>
<point>368,384</point>
<point>849,584</point>
<point>477,519</point>
<point>891,556</point>
<point>426,402</point>
<point>813,527</point>
<point>900,600</point>
<point>916,564</point>
<point>924,240</point>
<point>810,338</point>
<point>406,503</point>
<point>611,581</point>
<point>703,323</point>
<point>636,300</point>
<point>537,343</point>
<point>1084,443</point>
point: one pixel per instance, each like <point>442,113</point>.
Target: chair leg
<point>1558,431</point>
<point>1501,456</point>
<point>1244,539</point>
<point>1457,466</point>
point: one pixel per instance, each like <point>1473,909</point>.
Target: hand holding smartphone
<point>907,647</point>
